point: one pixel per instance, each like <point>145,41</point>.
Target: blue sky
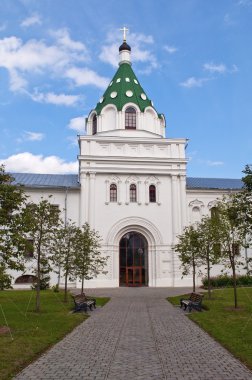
<point>192,57</point>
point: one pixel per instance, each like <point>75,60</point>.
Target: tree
<point>42,221</point>
<point>208,230</point>
<point>88,261</point>
<point>188,247</point>
<point>247,179</point>
<point>63,249</point>
<point>12,237</point>
<point>231,235</point>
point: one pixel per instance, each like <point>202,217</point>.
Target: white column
<point>107,192</point>
<point>83,201</point>
<point>146,192</point>
<point>139,195</point>
<point>158,193</point>
<point>174,207</point>
<point>183,201</point>
<point>119,200</point>
<point>92,199</point>
<point>127,192</point>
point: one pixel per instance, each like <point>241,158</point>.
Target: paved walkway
<point>137,335</point>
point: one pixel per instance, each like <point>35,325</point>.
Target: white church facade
<point>131,187</point>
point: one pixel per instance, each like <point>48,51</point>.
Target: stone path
<point>137,335</point>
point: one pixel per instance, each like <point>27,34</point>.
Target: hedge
<point>225,281</point>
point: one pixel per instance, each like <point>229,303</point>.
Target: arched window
<point>26,279</point>
<point>94,125</point>
<point>133,193</point>
<point>152,193</point>
<point>113,193</point>
<point>130,118</point>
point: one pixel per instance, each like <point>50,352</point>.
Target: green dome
<point>124,88</point>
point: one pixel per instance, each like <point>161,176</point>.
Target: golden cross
<point>124,30</point>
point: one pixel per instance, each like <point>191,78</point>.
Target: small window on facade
<point>133,193</point>
<point>94,125</point>
<point>113,193</point>
<point>130,118</point>
<point>26,279</point>
<point>235,249</point>
<point>152,193</point>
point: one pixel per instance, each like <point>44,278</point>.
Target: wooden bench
<point>83,303</point>
<point>193,302</point>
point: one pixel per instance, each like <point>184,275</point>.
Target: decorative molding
<point>141,225</point>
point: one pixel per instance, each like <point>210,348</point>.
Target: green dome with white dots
<point>124,88</point>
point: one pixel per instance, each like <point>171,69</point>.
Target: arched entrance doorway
<point>133,260</point>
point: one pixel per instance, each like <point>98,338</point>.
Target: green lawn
<point>232,328</point>
<point>32,333</point>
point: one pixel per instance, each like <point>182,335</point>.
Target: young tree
<point>88,261</point>
<point>12,237</point>
<point>42,221</point>
<point>189,248</point>
<point>63,249</point>
<point>208,230</point>
<point>231,236</point>
<point>247,179</point>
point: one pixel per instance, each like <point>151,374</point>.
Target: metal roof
<point>46,180</point>
<point>71,181</point>
<point>214,183</point>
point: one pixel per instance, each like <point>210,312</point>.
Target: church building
<point>131,187</point>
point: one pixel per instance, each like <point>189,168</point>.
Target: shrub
<point>225,281</point>
<point>5,279</point>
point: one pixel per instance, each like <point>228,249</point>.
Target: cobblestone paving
<point>137,335</point>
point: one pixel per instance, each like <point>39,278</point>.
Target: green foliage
<point>188,248</point>
<point>12,237</point>
<point>247,179</point>
<point>225,281</point>
<point>63,251</point>
<point>55,288</point>
<point>88,261</point>
<point>5,279</point>
<point>42,221</point>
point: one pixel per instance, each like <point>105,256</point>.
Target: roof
<point>46,180</point>
<point>71,181</point>
<point>124,88</point>
<point>214,183</point>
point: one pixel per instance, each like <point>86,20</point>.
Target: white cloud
<point>34,136</point>
<point>32,20</point>
<point>170,49</point>
<point>29,163</point>
<point>84,76</point>
<point>215,163</point>
<point>78,124</point>
<point>24,59</point>
<point>193,82</point>
<point>109,54</point>
<point>213,68</point>
<point>63,38</point>
<point>57,99</point>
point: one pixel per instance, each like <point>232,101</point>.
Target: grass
<point>33,333</point>
<point>232,328</point>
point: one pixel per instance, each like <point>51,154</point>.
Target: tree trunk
<point>38,284</point>
<point>208,277</point>
<point>82,284</point>
<point>65,290</point>
<point>235,287</point>
<point>194,275</point>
